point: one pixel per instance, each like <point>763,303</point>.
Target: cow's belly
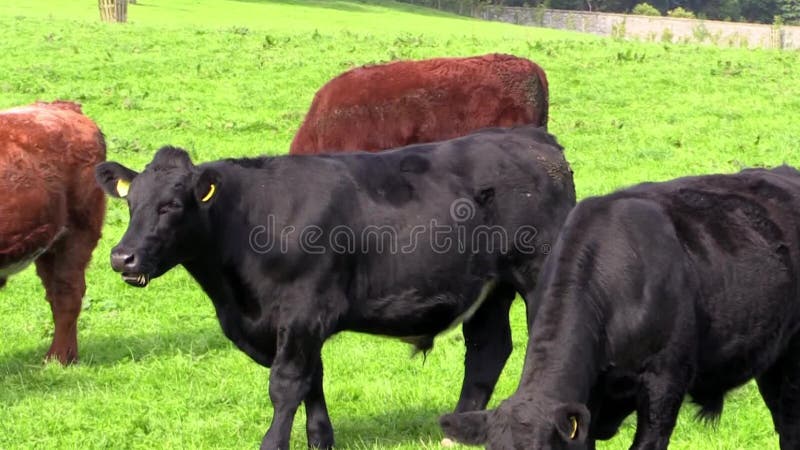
<point>20,255</point>
<point>34,217</point>
<point>727,368</point>
<point>417,320</point>
<point>19,266</point>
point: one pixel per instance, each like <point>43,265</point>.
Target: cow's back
<point>504,160</point>
<point>406,102</point>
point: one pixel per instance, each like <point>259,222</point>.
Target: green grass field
<point>229,78</point>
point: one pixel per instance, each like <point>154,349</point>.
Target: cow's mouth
<point>136,279</point>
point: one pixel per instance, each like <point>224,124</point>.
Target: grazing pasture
<point>235,78</point>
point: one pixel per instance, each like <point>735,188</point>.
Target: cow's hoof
<point>319,446</point>
<point>321,443</point>
<point>66,357</point>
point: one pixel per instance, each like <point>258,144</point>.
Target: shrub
<point>680,13</point>
<point>645,9</point>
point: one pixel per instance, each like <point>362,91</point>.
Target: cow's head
<point>522,423</point>
<point>166,203</point>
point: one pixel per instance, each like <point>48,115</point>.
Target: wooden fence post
<point>113,10</point>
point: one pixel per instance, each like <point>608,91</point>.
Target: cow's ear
<point>468,428</point>
<point>114,178</point>
<point>572,422</point>
<point>206,186</point>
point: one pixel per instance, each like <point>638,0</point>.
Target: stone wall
<point>651,28</point>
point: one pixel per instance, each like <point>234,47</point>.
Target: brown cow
<point>51,209</point>
<point>407,102</point>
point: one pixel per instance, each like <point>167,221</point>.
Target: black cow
<point>653,292</point>
<point>405,243</point>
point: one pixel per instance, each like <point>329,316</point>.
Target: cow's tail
<point>541,96</point>
<point>710,408</point>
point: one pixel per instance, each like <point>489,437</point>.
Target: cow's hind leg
<point>487,337</point>
<point>318,424</point>
<point>781,392</point>
<point>62,270</point>
<point>769,384</point>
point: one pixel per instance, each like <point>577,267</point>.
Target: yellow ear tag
<point>211,190</point>
<point>574,423</point>
<point>122,187</point>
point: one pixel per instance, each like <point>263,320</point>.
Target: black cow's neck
<point>221,277</point>
<point>565,351</point>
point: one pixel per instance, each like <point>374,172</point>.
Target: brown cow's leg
<point>2,282</point>
<point>62,270</point>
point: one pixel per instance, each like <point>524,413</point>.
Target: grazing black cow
<point>405,243</point>
<point>653,292</point>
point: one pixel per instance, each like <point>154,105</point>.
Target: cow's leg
<point>611,417</point>
<point>62,270</point>
<point>318,424</point>
<point>658,404</point>
<point>769,384</point>
<point>781,393</point>
<point>524,281</point>
<point>487,337</point>
<point>608,410</point>
<point>291,379</point>
<point>2,282</point>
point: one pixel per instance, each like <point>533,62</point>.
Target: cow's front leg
<point>658,405</point>
<point>318,425</point>
<point>290,380</point>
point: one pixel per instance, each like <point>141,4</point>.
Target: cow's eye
<point>168,207</point>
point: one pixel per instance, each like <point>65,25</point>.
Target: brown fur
<point>51,209</point>
<point>407,102</point>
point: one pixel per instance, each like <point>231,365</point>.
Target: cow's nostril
<point>123,261</point>
<point>130,260</point>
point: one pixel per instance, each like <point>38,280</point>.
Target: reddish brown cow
<point>51,209</point>
<point>407,102</point>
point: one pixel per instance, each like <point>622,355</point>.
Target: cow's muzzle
<point>127,263</point>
